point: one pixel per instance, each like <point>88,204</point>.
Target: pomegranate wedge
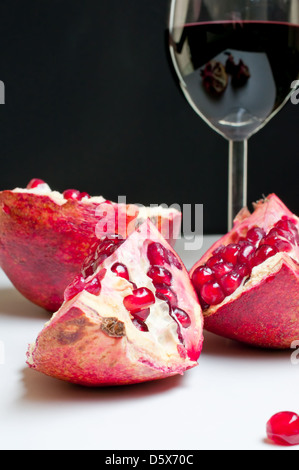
<point>248,282</point>
<point>45,236</point>
<point>114,329</point>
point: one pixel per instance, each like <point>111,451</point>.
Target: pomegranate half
<point>131,316</point>
<point>248,282</point>
<point>45,236</point>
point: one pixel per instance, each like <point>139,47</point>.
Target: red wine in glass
<point>236,62</point>
<point>260,60</point>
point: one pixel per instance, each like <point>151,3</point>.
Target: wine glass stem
<point>237,191</point>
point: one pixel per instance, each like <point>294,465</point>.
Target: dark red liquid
<point>269,50</point>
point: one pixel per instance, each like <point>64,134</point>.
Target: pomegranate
<point>240,72</point>
<point>119,323</point>
<point>45,236</point>
<point>248,282</point>
<point>214,78</point>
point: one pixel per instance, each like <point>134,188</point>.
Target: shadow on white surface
<point>14,304</point>
<point>41,388</point>
<point>215,345</point>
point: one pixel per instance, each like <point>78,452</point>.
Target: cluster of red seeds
<point>225,271</point>
<point>139,302</point>
<point>142,298</point>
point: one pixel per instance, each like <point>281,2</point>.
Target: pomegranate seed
<point>121,271</point>
<point>173,260</point>
<point>157,254</point>
<point>142,315</point>
<point>72,195</point>
<point>289,226</point>
<point>255,234</point>
<point>246,252</point>
<point>280,232</point>
<point>220,269</point>
<point>140,325</point>
<point>139,300</point>
<point>211,293</point>
<point>283,428</point>
<point>160,275</point>
<point>34,183</point>
<point>274,240</point>
<point>213,260</point>
<point>219,250</point>
<point>230,282</point>
<point>83,195</point>
<point>182,317</point>
<point>292,237</point>
<point>202,275</point>
<point>203,304</point>
<point>262,254</point>
<point>88,266</point>
<point>108,246</point>
<point>164,292</point>
<point>244,270</point>
<point>230,253</point>
<point>75,288</point>
<point>94,286</point>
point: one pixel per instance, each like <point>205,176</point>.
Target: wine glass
<point>236,61</point>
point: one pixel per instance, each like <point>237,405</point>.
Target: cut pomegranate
<point>247,283</point>
<point>214,78</point>
<point>43,232</point>
<point>109,333</point>
<point>283,428</point>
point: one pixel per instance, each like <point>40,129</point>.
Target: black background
<point>91,103</point>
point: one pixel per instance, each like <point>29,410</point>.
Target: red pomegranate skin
<point>103,358</point>
<point>43,244</point>
<point>263,316</point>
<point>266,313</point>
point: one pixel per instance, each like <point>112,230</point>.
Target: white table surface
<point>224,403</point>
